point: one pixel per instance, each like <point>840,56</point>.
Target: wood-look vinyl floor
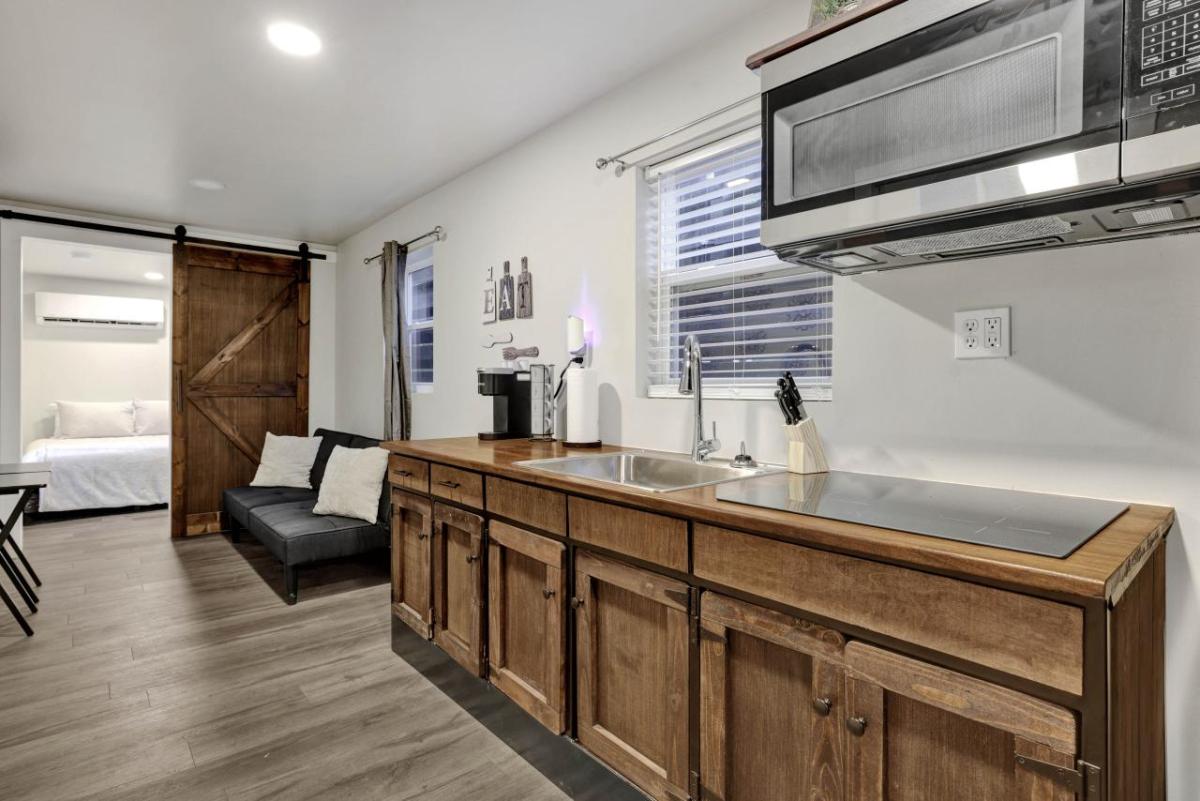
<point>174,670</point>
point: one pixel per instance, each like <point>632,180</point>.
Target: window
<point>754,315</point>
<point>418,293</point>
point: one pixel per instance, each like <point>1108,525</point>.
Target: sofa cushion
<point>354,479</point>
<point>329,440</point>
<point>296,536</point>
<point>239,502</point>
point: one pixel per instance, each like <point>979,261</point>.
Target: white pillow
<point>105,419</point>
<point>352,483</point>
<point>286,462</point>
<point>151,417</point>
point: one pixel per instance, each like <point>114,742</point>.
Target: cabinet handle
<point>450,484</point>
<point>822,706</point>
<point>422,536</point>
<point>576,603</point>
<point>404,473</point>
<point>472,557</point>
<point>547,594</point>
<point>857,726</point>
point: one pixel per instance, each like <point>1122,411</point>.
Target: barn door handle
<point>179,390</point>
<point>547,594</point>
<point>857,726</point>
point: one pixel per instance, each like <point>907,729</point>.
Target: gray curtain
<point>397,404</point>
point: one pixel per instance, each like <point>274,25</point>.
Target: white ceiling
<point>51,257</point>
<point>114,106</point>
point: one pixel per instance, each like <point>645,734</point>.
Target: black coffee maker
<point>509,390</point>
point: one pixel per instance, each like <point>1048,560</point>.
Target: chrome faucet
<point>690,384</point>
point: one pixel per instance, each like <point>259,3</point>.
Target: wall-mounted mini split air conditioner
<point>97,311</point>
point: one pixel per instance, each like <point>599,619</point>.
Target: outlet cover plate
<point>983,334</point>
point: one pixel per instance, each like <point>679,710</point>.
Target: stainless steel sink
<point>652,472</point>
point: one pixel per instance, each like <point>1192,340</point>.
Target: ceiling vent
<point>97,311</point>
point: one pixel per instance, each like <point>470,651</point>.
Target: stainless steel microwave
<point>944,129</point>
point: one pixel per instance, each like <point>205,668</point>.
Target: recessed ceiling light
<point>293,39</point>
<point>207,184</point>
<point>153,276</point>
<point>81,254</point>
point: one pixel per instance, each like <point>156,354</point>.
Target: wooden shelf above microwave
<point>866,8</point>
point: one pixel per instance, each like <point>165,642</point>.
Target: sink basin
<point>645,471</point>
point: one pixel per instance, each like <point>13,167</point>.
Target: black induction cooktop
<point>1047,525</point>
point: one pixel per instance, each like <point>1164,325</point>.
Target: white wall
<point>88,364</point>
<point>1101,397</point>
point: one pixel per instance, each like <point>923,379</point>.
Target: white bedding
<point>103,472</point>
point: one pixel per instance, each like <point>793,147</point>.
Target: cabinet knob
<point>822,706</point>
<point>857,726</point>
<point>472,557</point>
<point>547,593</point>
<point>576,603</point>
<point>422,536</point>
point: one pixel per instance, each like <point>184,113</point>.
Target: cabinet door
<point>918,732</point>
<point>526,635</point>
<point>632,640</point>
<point>772,704</point>
<point>412,557</point>
<point>458,585</point>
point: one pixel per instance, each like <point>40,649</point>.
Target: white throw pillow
<point>85,419</point>
<point>287,462</point>
<point>352,483</point>
<point>151,417</point>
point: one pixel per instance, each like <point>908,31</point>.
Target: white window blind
<point>754,315</point>
<point>418,280</point>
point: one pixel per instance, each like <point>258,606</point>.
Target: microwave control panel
<point>1163,59</point>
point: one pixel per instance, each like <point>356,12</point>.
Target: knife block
<point>806,454</point>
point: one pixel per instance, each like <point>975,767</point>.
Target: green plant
<point>829,8</point>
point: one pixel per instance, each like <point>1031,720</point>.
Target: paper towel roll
<point>583,406</point>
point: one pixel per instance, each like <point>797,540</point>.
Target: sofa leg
<point>235,532</point>
<point>292,581</point>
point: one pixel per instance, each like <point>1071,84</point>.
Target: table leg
<point>15,612</point>
<point>21,555</point>
<point>6,539</point>
<point>14,575</point>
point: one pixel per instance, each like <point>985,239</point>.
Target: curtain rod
<point>604,161</point>
<point>180,234</point>
<point>437,233</point>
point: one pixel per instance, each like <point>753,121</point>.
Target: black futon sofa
<point>281,518</point>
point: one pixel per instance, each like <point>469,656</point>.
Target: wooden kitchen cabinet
<point>917,732</point>
<point>772,705</point>
<point>633,678</point>
<point>458,585</point>
<point>526,622</point>
<point>412,561</point>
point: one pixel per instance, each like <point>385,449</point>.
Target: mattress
<point>103,472</point>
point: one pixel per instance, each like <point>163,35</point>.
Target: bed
<point>103,472</point>
<point>105,455</point>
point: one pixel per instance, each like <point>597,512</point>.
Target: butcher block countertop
<point>1102,568</point>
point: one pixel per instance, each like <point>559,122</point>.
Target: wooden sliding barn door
<point>240,369</point>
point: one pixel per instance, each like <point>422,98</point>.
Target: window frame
<point>411,325</point>
<point>650,280</point>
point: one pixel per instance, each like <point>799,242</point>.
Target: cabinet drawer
<point>533,506</point>
<point>460,486</point>
<point>409,474</point>
<point>642,535</point>
<point>1021,635</point>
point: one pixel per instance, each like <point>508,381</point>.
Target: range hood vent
<point>985,238</point>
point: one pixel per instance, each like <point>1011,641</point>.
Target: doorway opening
<point>95,381</point>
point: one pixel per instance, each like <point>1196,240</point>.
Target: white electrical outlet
<point>982,334</point>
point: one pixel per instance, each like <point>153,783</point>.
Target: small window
<point>708,275</point>
<point>418,291</point>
